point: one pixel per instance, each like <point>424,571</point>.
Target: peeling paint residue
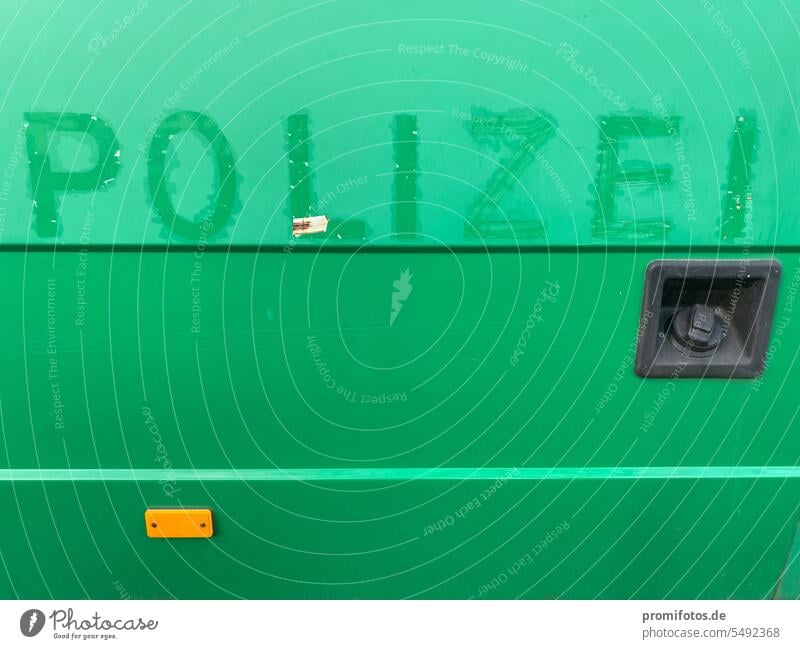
<point>523,132</point>
<point>613,174</point>
<point>738,193</point>
<point>301,189</point>
<point>406,141</point>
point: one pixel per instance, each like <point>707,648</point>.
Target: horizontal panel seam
<point>484,473</point>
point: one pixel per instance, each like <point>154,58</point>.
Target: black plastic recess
<point>706,318</point>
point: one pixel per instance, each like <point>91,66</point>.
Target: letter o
<point>226,173</point>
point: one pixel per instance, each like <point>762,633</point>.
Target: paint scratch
<point>309,225</point>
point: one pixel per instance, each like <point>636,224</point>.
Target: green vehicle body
<point>435,397</point>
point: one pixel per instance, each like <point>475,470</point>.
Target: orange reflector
<point>178,523</point>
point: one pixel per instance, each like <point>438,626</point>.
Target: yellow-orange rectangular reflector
<point>178,523</point>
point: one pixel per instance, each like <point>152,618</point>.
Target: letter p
<point>45,182</point>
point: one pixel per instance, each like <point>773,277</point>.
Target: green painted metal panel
<point>292,364</point>
<point>517,122</point>
<point>552,538</point>
<point>436,397</point>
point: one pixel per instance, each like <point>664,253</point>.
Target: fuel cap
<point>696,329</point>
